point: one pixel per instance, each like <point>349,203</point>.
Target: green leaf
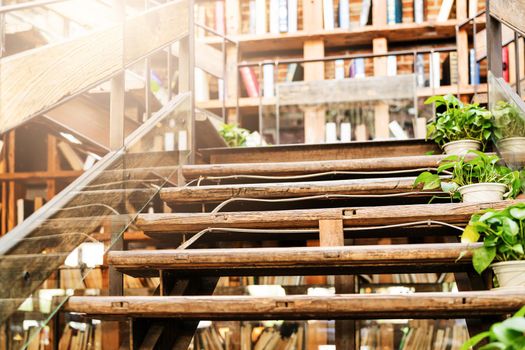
<point>517,213</point>
<point>475,340</point>
<point>430,181</point>
<point>470,235</point>
<point>515,323</point>
<point>482,258</point>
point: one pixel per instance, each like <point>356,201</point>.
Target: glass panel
<point>509,118</point>
<point>58,251</point>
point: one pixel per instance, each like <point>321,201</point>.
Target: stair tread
<point>215,193</point>
<point>308,167</point>
<point>359,259</point>
<point>348,306</point>
<point>458,213</point>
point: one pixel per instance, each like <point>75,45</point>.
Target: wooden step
<point>382,164</point>
<point>315,152</point>
<point>218,193</point>
<point>343,306</point>
<point>454,213</point>
<point>297,261</point>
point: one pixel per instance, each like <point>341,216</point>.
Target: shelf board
<point>251,104</point>
<point>402,32</point>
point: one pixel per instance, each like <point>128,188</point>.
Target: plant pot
<point>482,192</point>
<point>461,147</point>
<point>512,150</point>
<point>510,274</point>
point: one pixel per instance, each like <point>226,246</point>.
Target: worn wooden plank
<point>311,167</point>
<point>458,213</point>
<point>215,193</point>
<point>334,151</point>
<point>328,258</point>
<point>346,90</point>
<point>510,12</point>
<point>209,59</point>
<point>348,306</point>
<point>69,68</point>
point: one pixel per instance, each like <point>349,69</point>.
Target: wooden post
<point>494,44</point>
<point>52,165</point>
<point>11,195</point>
<point>381,109</point>
<point>462,46</point>
<point>331,234</point>
<point>232,81</point>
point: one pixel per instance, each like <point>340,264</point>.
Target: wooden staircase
<point>264,228</point>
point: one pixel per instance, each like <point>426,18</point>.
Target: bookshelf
<point>356,29</point>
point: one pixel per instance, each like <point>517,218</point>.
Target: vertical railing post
<point>494,44</point>
<point>2,31</point>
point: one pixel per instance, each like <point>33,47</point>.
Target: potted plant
<point>509,130</point>
<point>459,127</point>
<point>506,335</point>
<point>503,234</point>
<point>477,178</point>
<point>234,135</point>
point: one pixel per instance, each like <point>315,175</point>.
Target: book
<point>473,68</point>
<point>346,132</point>
<point>200,19</point>
<point>444,11</point>
<point>397,130</point>
<point>292,16</point>
<point>435,69</point>
<point>260,17</point>
<point>253,17</point>
<point>219,17</point>
<point>250,82</point>
<point>472,8</point>
<point>419,11</point>
<point>330,132</point>
<point>268,80</point>
<point>391,65</point>
<point>359,68</point>
<point>202,88</point>
<point>450,69</point>
<point>364,17</point>
<point>339,69</point>
<point>419,67</point>
<point>294,72</point>
<point>283,16</point>
<point>274,16</point>
<point>328,14</point>
<point>505,62</point>
<point>344,14</point>
<point>394,11</point>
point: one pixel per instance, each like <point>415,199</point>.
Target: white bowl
<point>482,192</point>
<point>461,147</point>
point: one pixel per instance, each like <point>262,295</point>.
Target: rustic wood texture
<point>458,213</point>
<point>338,151</point>
<point>348,306</point>
<point>305,167</point>
<point>510,12</point>
<point>215,193</point>
<point>209,59</point>
<point>71,67</point>
<point>346,90</point>
<point>330,259</point>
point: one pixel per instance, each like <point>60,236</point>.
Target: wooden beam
<point>209,59</point>
<point>347,306</point>
<point>217,193</point>
<point>456,213</point>
<point>381,109</point>
<point>314,117</point>
<point>305,167</point>
<point>509,12</point>
<point>72,67</point>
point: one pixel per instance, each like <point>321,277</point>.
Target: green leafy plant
<point>503,234</point>
<point>234,135</point>
<point>459,121</point>
<point>468,170</point>
<point>506,335</point>
<point>509,121</point>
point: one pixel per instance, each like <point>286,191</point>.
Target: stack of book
<point>81,336</point>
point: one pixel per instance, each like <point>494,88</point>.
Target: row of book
<point>429,335</point>
<point>282,15</point>
<point>81,336</point>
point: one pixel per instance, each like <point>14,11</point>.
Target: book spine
<point>391,66</point>
<point>344,14</point>
<point>253,17</point>
<point>268,80</point>
<point>219,17</point>
<point>453,61</point>
<point>202,91</point>
<point>420,70</point>
<point>435,73</point>
<point>360,68</point>
<point>398,11</point>
<point>283,16</point>
<point>330,132</point>
<point>474,68</point>
<point>346,132</point>
<point>505,61</point>
<point>419,11</point>
<point>328,14</point>
<point>250,81</point>
<point>274,16</point>
<point>260,16</point>
<point>292,16</point>
<point>391,11</point>
<point>339,69</point>
<point>290,72</point>
<point>365,12</point>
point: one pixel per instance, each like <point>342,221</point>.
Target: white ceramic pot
<point>482,192</point>
<point>510,274</point>
<point>512,150</point>
<point>461,147</point>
